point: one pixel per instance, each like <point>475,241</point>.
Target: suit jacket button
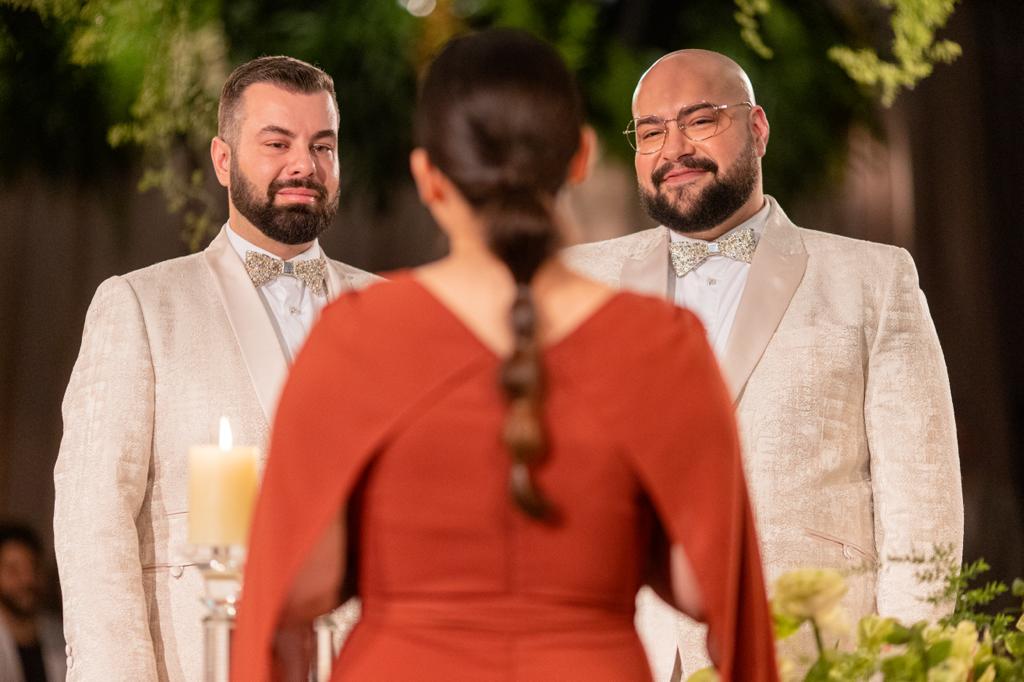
<point>67,649</point>
<point>176,571</point>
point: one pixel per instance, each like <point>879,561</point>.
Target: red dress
<point>393,412</point>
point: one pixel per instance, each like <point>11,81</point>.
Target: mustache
<point>691,162</point>
<point>277,185</point>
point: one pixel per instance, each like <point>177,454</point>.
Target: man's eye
<point>323,148</point>
<point>277,145</point>
<point>700,121</point>
<point>651,133</point>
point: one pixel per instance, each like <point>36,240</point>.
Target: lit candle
<point>222,483</point>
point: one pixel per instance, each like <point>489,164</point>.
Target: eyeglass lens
<point>648,135</point>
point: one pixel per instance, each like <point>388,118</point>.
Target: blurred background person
<point>31,641</point>
<point>480,446</point>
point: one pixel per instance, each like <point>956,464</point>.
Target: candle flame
<point>225,434</point>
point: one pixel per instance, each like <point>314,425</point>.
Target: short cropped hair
<point>18,532</point>
<point>289,73</point>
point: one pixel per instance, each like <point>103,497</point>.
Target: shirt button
<point>176,571</point>
<point>712,282</point>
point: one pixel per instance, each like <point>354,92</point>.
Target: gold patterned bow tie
<point>689,254</point>
<point>263,268</point>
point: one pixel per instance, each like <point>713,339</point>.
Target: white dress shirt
<point>293,307</point>
<point>712,290</point>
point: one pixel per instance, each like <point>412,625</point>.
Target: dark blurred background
<point>107,108</point>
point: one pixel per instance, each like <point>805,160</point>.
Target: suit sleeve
<point>915,466</point>
<point>100,480</point>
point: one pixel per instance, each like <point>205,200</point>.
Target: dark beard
<point>724,196</point>
<point>297,224</point>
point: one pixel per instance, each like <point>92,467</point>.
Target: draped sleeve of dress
<point>392,407</point>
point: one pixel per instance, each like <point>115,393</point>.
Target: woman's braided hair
<point>500,115</point>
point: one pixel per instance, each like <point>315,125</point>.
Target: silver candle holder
<point>221,568</point>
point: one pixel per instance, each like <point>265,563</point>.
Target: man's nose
<point>677,144</point>
<point>301,162</point>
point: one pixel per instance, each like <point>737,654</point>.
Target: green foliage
<point>55,114</point>
<point>173,98</point>
<point>148,73</point>
<point>810,103</point>
<point>785,625</point>
<point>570,26</point>
<point>969,645</point>
<point>747,12</point>
<point>914,47</point>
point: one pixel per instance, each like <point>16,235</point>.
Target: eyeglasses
<point>698,122</point>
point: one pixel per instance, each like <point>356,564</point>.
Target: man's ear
<point>584,158</point>
<point>759,129</point>
<point>220,154</point>
<point>429,184</point>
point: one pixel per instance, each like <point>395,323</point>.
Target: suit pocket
<point>170,550</point>
<point>850,550</point>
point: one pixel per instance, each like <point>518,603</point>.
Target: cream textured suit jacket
<point>844,412</point>
<point>166,351</point>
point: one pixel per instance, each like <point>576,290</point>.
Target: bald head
<point>698,71</point>
<point>702,175</point>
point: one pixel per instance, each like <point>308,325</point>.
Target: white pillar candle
<point>222,482</point>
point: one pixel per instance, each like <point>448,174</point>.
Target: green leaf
<point>819,672</point>
<point>785,625</point>
<point>899,634</point>
<point>1018,587</point>
<point>907,667</point>
<point>938,652</point>
<point>852,667</point>
<point>1014,643</point>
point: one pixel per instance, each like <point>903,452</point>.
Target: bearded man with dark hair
<point>170,348</point>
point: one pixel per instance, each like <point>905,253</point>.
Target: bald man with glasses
<point>840,386</point>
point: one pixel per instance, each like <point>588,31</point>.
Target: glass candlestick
<point>221,568</point>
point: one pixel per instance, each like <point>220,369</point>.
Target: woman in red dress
<point>494,451</point>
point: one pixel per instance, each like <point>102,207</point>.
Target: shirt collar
<point>755,222</point>
<point>241,245</point>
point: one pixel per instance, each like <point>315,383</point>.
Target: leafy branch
<point>171,54</point>
<point>914,47</point>
<point>969,645</point>
<point>747,16</point>
<point>914,23</point>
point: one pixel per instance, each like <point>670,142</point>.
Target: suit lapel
<point>775,273</point>
<point>338,281</point>
<point>250,320</point>
<point>646,269</point>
